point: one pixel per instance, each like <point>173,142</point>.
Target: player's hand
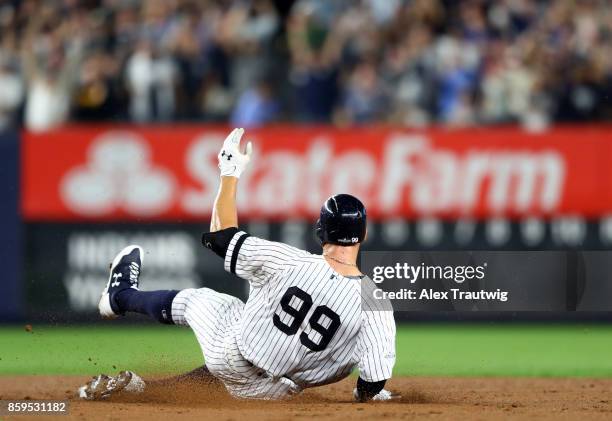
<point>232,162</point>
<point>383,395</point>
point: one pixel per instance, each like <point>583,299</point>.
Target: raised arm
<point>232,163</point>
<point>251,258</point>
<point>224,213</point>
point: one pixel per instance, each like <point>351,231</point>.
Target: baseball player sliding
<point>306,323</point>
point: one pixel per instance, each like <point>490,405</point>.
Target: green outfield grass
<point>423,349</point>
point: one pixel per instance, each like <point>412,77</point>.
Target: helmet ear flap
<point>319,231</point>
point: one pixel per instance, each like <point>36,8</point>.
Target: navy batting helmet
<point>342,221</point>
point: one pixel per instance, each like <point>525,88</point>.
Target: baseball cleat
<point>383,395</point>
<point>103,386</point>
<point>124,273</point>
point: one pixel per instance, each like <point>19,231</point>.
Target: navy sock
<point>157,304</point>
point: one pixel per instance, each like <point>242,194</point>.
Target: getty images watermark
<point>407,273</point>
<point>466,281</point>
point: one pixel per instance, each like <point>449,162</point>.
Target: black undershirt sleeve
<point>367,390</point>
<point>219,241</point>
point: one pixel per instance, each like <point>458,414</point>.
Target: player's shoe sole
<point>103,386</point>
<point>104,305</point>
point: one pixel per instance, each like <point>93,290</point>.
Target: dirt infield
<point>432,398</point>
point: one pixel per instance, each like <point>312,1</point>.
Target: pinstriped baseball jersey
<point>303,320</point>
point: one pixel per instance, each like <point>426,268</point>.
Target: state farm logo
<point>405,174</point>
<point>410,174</point>
<point>118,174</point>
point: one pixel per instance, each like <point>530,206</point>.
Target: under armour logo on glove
<point>231,160</point>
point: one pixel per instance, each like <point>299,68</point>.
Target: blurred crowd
<point>348,62</point>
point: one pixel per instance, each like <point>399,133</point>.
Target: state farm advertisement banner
<point>169,173</point>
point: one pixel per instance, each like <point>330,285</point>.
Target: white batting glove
<point>232,162</point>
<point>383,395</point>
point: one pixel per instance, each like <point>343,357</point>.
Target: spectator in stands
<point>365,98</point>
<point>51,55</point>
<point>315,46</point>
<point>256,106</point>
<point>97,93</point>
<point>151,80</point>
<point>245,34</point>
